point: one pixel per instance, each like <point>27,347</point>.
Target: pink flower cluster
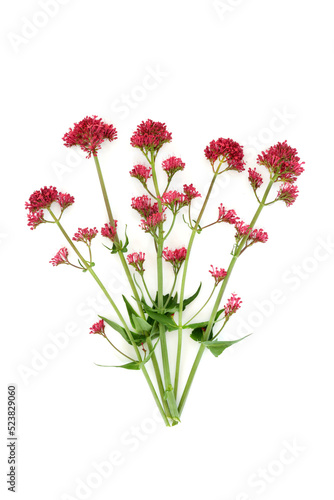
<point>144,206</point>
<point>287,193</point>
<point>282,161</point>
<point>228,216</point>
<point>227,151</point>
<point>175,257</point>
<point>172,165</point>
<point>218,274</point>
<point>232,305</point>
<point>89,134</point>
<point>137,261</point>
<point>174,200</point>
<point>85,235</point>
<point>150,135</point>
<point>254,178</point>
<point>149,225</point>
<point>254,235</point>
<point>61,257</point>
<point>109,231</point>
<point>141,173</point>
<point>242,229</point>
<point>43,199</point>
<point>190,192</point>
<point>258,235</point>
<point>98,328</point>
<point>35,219</point>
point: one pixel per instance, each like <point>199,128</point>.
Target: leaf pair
<point>134,365</point>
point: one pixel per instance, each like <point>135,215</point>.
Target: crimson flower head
<point>85,235</point>
<point>282,161</point>
<point>152,221</point>
<point>35,219</point>
<point>98,328</point>
<point>226,151</point>
<point>89,134</point>
<point>109,231</point>
<point>42,198</point>
<point>254,178</point>
<point>61,257</point>
<point>242,228</point>
<point>144,206</point>
<point>175,257</point>
<point>190,192</point>
<point>141,173</point>
<point>174,200</point>
<point>172,165</point>
<point>137,261</point>
<point>232,305</point>
<point>258,235</point>
<point>228,216</point>
<point>218,274</point>
<point>65,200</point>
<point>150,135</point>
<point>287,193</point>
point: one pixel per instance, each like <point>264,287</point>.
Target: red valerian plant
<point>152,312</point>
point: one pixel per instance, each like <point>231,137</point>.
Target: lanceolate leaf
<point>130,310</point>
<point>164,319</point>
<point>116,327</point>
<point>218,347</point>
<point>128,366</point>
<point>188,301</point>
<point>139,339</point>
<point>140,324</point>
<point>203,324</point>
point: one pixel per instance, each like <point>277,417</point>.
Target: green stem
<point>98,281</point>
<point>112,222</point>
<point>219,298</point>
<point>171,292</point>
<point>164,349</point>
<point>201,309</point>
<point>112,345</point>
<point>123,261</point>
<point>171,227</point>
<point>158,376</point>
<point>183,283</point>
<point>147,291</point>
<point>213,338</point>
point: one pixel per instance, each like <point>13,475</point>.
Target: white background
<point>254,70</point>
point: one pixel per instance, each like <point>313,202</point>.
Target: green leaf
<point>188,301</point>
<point>218,347</point>
<point>117,327</point>
<point>114,249</point>
<point>134,365</point>
<point>202,324</point>
<point>138,338</point>
<point>125,246</point>
<point>197,334</point>
<point>140,324</point>
<point>162,318</point>
<point>219,313</point>
<point>130,310</point>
